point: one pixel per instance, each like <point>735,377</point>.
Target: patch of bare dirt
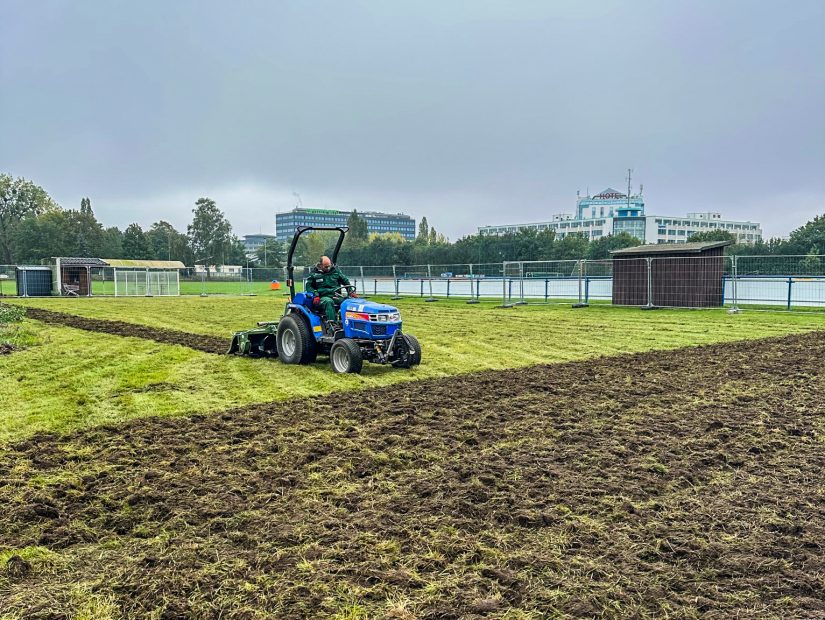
<point>680,484</point>
<point>199,342</point>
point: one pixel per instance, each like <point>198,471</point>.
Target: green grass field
<point>621,487</point>
<point>75,378</point>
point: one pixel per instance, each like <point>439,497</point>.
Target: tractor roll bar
<point>290,268</point>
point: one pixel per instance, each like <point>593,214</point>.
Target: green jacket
<point>325,284</point>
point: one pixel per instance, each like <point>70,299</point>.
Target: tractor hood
<point>368,307</point>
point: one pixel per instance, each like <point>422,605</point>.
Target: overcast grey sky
<point>470,113</point>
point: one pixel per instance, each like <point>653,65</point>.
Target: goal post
<point>146,282</point>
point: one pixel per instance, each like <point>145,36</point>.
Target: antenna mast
<point>629,172</point>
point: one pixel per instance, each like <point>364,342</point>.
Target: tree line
<point>33,227</point>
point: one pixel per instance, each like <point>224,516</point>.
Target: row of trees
<point>33,227</point>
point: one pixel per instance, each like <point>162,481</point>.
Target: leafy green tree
<point>571,247</point>
<point>271,254</point>
<point>210,234</point>
<point>433,236</point>
<point>43,236</point>
<point>86,230</point>
<point>135,244</point>
<point>310,249</point>
<point>358,232</point>
<point>19,199</point>
<point>807,238</point>
<point>423,231</point>
<point>599,249</point>
<point>812,264</point>
<point>59,233</point>
<point>235,252</point>
<point>712,235</point>
<point>111,244</point>
<point>167,243</point>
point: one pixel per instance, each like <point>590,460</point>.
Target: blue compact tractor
<point>365,330</point>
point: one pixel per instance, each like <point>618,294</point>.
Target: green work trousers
<point>327,308</point>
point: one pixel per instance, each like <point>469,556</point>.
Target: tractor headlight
<point>394,317</point>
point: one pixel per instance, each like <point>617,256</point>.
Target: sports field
<point>540,462</point>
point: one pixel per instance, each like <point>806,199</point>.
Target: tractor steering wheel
<point>344,290</point>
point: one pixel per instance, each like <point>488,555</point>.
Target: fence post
<point>649,305</point>
<point>395,280</point>
<point>790,287</point>
<point>546,287</point>
<point>504,290</point>
<point>521,301</point>
<point>582,302</point>
<point>430,281</point>
<point>203,284</point>
<point>735,274</point>
<point>471,300</point>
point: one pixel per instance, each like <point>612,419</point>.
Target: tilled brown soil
<point>7,348</point>
<point>199,342</point>
<point>682,484</point>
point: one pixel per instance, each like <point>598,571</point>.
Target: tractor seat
<point>306,301</point>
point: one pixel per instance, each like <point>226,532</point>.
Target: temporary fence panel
<point>689,281</point>
<point>145,282</point>
<point>597,282</point>
<point>785,282</point>
<point>558,281</point>
<point>755,282</point>
<point>8,280</point>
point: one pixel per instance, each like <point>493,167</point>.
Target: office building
<point>612,212</point>
<point>380,223</point>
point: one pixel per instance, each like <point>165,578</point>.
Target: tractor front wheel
<point>408,352</point>
<point>345,356</point>
<point>295,342</point>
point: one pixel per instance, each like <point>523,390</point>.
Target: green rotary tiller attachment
<point>258,342</point>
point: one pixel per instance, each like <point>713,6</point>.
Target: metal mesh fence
<point>754,282</point>
<point>8,280</point>
<point>146,282</point>
<point>787,282</point>
<point>689,282</point>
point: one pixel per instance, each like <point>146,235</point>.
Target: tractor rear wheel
<point>296,344</point>
<point>408,352</point>
<point>345,356</point>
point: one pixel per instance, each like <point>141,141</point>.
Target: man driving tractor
<point>324,284</point>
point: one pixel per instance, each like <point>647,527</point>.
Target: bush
<point>11,314</point>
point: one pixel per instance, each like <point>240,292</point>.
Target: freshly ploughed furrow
<point>199,342</point>
<point>678,484</point>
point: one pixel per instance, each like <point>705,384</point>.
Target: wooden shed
<point>74,275</point>
<point>684,275</point>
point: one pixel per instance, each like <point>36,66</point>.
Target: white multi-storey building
<point>611,212</point>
